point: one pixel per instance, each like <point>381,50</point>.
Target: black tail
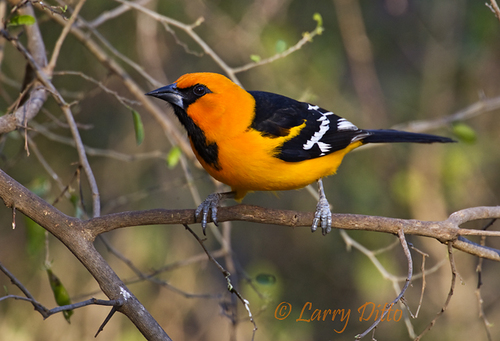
<point>389,135</point>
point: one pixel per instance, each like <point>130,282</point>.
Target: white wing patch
<point>343,124</point>
<point>323,128</point>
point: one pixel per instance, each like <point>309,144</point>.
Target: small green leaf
<point>281,46</point>
<point>35,237</point>
<point>19,20</point>
<point>319,23</point>
<point>265,279</point>
<point>77,204</point>
<point>318,18</point>
<point>138,127</point>
<point>60,293</point>
<point>40,186</point>
<point>173,157</point>
<point>464,132</point>
<point>255,58</point>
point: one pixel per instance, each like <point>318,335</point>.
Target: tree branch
<point>446,231</point>
<point>37,95</point>
<point>76,237</point>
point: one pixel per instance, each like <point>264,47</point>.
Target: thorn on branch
<point>106,320</point>
<point>14,216</point>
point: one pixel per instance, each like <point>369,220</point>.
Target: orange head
<point>211,101</point>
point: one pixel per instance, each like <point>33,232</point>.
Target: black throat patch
<point>209,152</point>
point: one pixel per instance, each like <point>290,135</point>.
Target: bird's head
<point>212,101</point>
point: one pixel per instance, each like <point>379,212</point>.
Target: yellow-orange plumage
<point>258,141</point>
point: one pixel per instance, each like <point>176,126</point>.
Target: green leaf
<point>319,19</point>
<point>464,132</point>
<point>40,186</point>
<point>75,200</point>
<point>255,58</point>
<point>60,293</point>
<point>319,23</point>
<point>281,46</point>
<point>173,157</point>
<point>265,279</point>
<point>35,237</point>
<point>19,20</point>
<point>138,127</point>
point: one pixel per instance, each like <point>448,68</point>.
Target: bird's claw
<point>210,204</point>
<point>322,216</point>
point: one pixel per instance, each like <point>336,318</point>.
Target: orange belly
<point>249,165</point>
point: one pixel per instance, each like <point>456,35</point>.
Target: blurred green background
<point>377,63</point>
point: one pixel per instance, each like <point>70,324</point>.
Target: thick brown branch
<point>37,95</point>
<point>75,236</point>
<point>447,231</point>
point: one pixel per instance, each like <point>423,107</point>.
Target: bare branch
<point>450,293</point>
<point>116,12</point>
<point>76,238</point>
<point>170,129</point>
<point>189,29</point>
<point>478,108</point>
<point>494,8</point>
<point>422,269</point>
<point>227,276</point>
<point>38,95</point>
<point>306,38</point>
<point>57,48</point>
<point>44,79</point>
<point>447,231</point>
<point>123,100</point>
<point>387,307</point>
<point>98,151</point>
<point>479,270</point>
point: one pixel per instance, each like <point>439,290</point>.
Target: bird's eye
<point>200,90</point>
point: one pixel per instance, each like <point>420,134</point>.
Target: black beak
<point>168,93</point>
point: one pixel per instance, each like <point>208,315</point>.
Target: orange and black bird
<point>261,141</point>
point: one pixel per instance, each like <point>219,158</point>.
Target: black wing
<point>324,132</point>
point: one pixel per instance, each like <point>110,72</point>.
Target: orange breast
<point>247,164</point>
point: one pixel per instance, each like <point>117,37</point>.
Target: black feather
<point>391,136</point>
<point>275,115</point>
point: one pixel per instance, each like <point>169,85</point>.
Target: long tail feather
<point>389,136</point>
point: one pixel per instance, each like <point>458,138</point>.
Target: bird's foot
<point>211,204</point>
<point>322,216</point>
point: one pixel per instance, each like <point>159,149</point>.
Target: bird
<point>262,141</point>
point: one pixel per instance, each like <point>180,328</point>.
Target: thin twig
<point>387,307</point>
<point>494,8</point>
<point>189,29</point>
<point>123,100</point>
<point>479,269</point>
<point>450,293</point>
<point>227,276</point>
<point>422,270</point>
<point>306,38</point>
<point>57,48</point>
<point>106,320</point>
<point>114,13</point>
<point>45,80</point>
<point>172,132</point>
<point>475,109</point>
<point>155,154</point>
